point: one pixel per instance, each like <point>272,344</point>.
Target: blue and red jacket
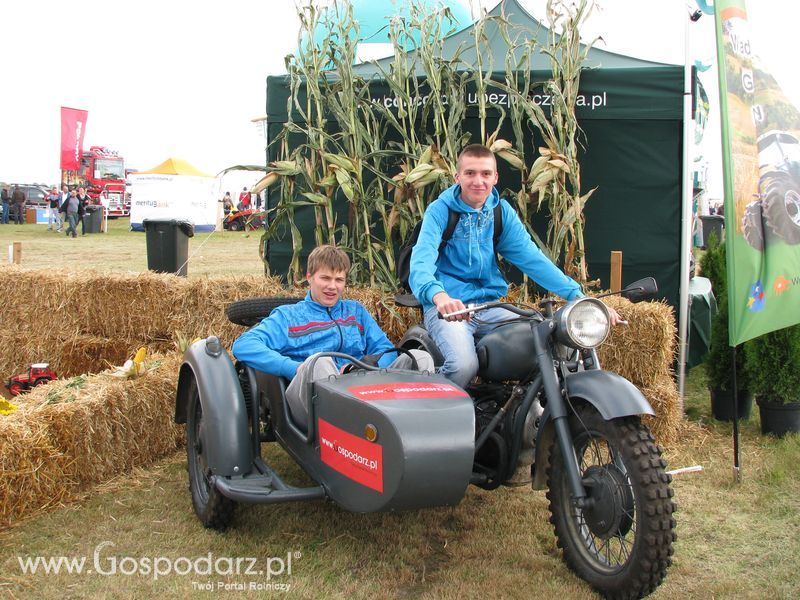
<point>293,332</point>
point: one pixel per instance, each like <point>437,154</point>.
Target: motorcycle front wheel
<point>621,542</point>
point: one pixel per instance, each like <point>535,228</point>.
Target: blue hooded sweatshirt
<point>293,332</point>
<point>466,269</point>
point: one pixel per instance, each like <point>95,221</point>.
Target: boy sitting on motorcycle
<point>284,342</point>
<point>467,267</point>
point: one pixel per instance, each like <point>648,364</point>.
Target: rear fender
<point>612,395</point>
<point>208,369</point>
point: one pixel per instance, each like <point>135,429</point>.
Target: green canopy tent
<point>631,112</point>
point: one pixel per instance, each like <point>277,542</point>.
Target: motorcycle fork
<point>558,411</point>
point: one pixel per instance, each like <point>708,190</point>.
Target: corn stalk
<point>387,185</point>
<point>555,175</point>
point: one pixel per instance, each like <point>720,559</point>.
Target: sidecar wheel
<point>213,509</point>
<point>622,545</point>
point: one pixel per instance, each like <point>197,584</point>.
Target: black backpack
<point>403,269</point>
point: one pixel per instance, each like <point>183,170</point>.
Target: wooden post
<point>616,270</point>
<point>17,253</point>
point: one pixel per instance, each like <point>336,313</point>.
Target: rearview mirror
<point>640,290</point>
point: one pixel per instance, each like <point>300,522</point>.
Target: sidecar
<point>375,440</point>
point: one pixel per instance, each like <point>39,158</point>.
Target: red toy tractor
<point>38,374</point>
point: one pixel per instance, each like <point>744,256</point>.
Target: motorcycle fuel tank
<point>394,440</point>
<point>507,353</point>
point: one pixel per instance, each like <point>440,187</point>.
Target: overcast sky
<point>183,78</point>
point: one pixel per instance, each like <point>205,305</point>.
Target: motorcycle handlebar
<point>473,308</point>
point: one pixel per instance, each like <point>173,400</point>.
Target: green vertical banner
<point>761,166</point>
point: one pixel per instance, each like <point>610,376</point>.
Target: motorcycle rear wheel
<point>622,545</point>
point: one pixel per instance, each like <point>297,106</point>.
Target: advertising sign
<point>73,129</point>
<point>761,166</point>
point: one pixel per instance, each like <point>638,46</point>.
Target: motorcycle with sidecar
<point>384,439</point>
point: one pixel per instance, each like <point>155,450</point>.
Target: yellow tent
<point>174,166</point>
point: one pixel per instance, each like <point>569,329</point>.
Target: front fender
<point>208,371</point>
<point>612,395</point>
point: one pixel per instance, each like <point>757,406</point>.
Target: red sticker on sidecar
<point>352,456</point>
<point>406,391</point>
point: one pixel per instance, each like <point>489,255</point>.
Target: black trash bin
<point>712,223</point>
<point>168,245</point>
<point>93,219</point>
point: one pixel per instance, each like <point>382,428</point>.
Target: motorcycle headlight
<point>583,324</point>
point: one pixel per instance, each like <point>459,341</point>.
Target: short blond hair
<point>328,256</point>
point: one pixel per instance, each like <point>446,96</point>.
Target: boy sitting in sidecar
<point>284,343</point>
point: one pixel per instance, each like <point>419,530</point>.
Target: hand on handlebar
<point>445,305</point>
<point>616,319</point>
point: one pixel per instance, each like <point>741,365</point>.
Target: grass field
<point>122,250</point>
<point>735,540</point>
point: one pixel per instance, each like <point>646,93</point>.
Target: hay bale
<point>668,420</point>
<point>31,468</point>
<point>644,351</point>
<point>200,311</point>
<point>72,433</point>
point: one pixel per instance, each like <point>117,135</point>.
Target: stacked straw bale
<point>644,353</point>
<point>85,322</point>
<point>70,434</point>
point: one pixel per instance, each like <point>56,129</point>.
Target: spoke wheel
<point>621,542</point>
<point>213,509</point>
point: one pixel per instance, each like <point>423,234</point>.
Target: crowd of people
<point>65,207</point>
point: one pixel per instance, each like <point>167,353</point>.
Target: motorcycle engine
<point>494,455</point>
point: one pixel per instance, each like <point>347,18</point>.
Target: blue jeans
<point>54,220</point>
<point>4,215</point>
<point>72,219</point>
<point>456,341</point>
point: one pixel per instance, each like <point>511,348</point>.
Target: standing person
<point>84,200</point>
<point>227,203</point>
<point>62,204</point>
<point>244,199</point>
<point>54,204</point>
<point>19,198</point>
<point>72,206</point>
<point>466,270</point>
<point>5,196</point>
<point>284,342</point>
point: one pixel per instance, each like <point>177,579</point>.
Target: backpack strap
<point>452,221</point>
<point>498,224</point>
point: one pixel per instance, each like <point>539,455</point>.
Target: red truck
<point>102,173</point>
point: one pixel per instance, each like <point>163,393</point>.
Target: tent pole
<point>686,218</point>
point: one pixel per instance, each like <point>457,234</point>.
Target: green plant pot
<point>779,419</point>
<point>722,404</point>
